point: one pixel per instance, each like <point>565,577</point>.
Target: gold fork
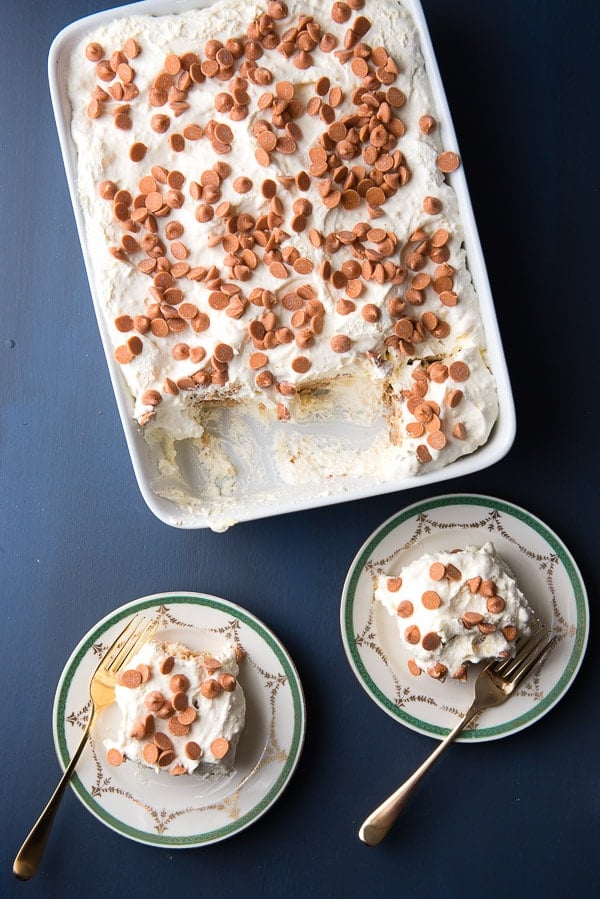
<point>495,684</point>
<point>102,693</point>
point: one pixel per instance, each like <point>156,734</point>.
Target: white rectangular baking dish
<point>259,503</point>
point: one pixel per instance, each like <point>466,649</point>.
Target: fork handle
<point>379,822</point>
<point>30,854</point>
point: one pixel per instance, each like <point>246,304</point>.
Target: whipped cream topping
<point>455,608</point>
<point>267,212</point>
<point>201,689</point>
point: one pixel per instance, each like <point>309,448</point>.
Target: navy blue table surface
<point>518,816</point>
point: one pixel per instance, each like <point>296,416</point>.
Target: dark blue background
<point>518,817</point>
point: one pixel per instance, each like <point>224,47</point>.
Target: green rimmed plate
<point>545,571</point>
<point>184,812</point>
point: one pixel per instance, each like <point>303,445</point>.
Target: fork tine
<point>524,647</point>
<point>527,649</point>
<point>134,641</point>
<point>116,645</point>
<point>530,663</point>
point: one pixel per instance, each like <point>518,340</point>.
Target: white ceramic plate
<point>181,812</point>
<point>546,573</point>
<point>253,498</point>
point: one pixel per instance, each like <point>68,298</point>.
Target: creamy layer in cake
<point>268,215</point>
<point>181,711</point>
<point>455,608</point>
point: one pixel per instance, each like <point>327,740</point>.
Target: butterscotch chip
<point>138,731</point>
<point>264,379</point>
<point>188,715</point>
<point>412,634</point>
<point>473,583</point>
<point>149,724</point>
<point>405,609</point>
<point>192,132</point>
<point>144,671</point>
<point>122,121</point>
<point>461,672</point>
<point>495,604</point>
<point>242,185</point>
<point>284,90</point>
<point>166,666</point>
<point>177,770</point>
<point>340,12</point>
<point>459,431</point>
<point>192,750</point>
<point>375,196</point>
<point>154,700</point>
<point>437,670</point>
<point>472,618</point>
<point>453,398</point>
<point>431,641</point>
<point>414,669</point>
<point>131,48</point>
<point>359,67</point>
<point>150,753</point>
<point>219,747</point>
<point>123,323</point>
<point>258,360</point>
<point>458,371</point>
<point>488,588</point>
<point>94,110</point>
<point>278,270</point>
<point>431,599</point>
<point>125,73</point>
<point>94,52</point>
<point>340,343</point>
<point>301,364</point>
<point>114,757</point>
<point>123,355</point>
<point>227,682</point>
<point>432,205</point>
<point>452,572</point>
<point>448,161</point>
<point>210,688</point>
<point>180,701</point>
<point>177,142</point>
<point>165,758</point>
<point>130,678</point>
<point>395,97</point>
<point>436,440</point>
<point>328,42</point>
<point>393,584</point>
<point>177,728</point>
<point>179,683</point>
<point>510,632</point>
<point>151,398</point>
<point>427,124</point>
<point>415,429</point>
<point>437,571</point>
<point>162,741</point>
